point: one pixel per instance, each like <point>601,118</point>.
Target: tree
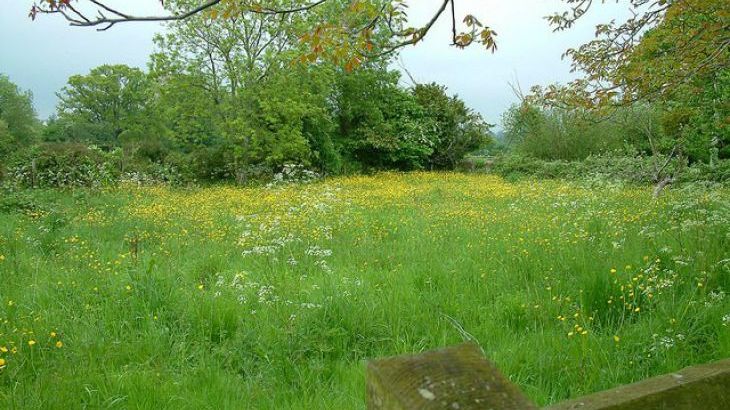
<point>671,54</point>
<point>698,33</point>
<point>19,126</point>
<point>458,129</point>
<point>185,108</point>
<point>285,120</point>
<point>223,90</point>
<point>214,60</point>
<point>6,139</point>
<point>554,133</point>
<point>698,118</point>
<point>109,101</point>
<point>667,44</point>
<point>380,124</point>
<point>227,53</point>
<point>362,30</point>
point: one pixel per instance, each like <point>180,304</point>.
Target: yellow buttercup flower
<point>31,342</point>
<point>59,344</point>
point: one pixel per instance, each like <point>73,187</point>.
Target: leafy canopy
<point>19,125</point>
<point>109,100</point>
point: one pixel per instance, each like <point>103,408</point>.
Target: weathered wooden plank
<point>704,387</point>
<point>458,377</point>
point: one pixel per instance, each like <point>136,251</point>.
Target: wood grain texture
<point>703,387</point>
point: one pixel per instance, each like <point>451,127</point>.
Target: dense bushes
<point>457,129</point>
<point>637,169</point>
<point>685,138</point>
<point>62,165</point>
<point>118,122</point>
<point>693,126</point>
<point>560,134</point>
<point>380,125</point>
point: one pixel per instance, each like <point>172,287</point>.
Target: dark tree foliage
<point>380,124</point>
<point>101,106</point>
<point>19,126</point>
<point>458,129</point>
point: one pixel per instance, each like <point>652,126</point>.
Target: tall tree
<point>228,53</point>
<point>19,125</point>
<point>112,98</point>
<point>665,45</point>
<point>458,130</point>
<point>380,124</point>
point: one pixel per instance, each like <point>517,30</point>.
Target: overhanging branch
<point>79,19</point>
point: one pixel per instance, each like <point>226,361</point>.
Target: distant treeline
<point>226,100</point>
<point>118,120</point>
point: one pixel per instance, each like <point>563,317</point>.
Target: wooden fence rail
<point>459,377</point>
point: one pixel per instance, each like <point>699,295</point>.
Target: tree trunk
<point>661,185</point>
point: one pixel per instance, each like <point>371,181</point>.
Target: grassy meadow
<point>224,297</point>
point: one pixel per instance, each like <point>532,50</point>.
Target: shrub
<point>554,134</point>
<point>617,168</point>
<point>17,201</point>
<point>458,129</point>
<point>65,165</point>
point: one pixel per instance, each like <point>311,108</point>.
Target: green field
<point>222,297</point>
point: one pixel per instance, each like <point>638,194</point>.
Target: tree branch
<point>83,21</point>
<point>108,22</point>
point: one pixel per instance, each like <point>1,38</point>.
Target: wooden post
<point>455,378</point>
<point>703,387</point>
<point>460,377</point>
<point>33,172</point>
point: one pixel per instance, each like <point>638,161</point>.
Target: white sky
<point>41,55</point>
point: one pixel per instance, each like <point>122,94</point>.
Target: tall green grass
<point>275,297</point>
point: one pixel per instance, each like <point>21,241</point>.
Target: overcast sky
<point>41,55</point>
